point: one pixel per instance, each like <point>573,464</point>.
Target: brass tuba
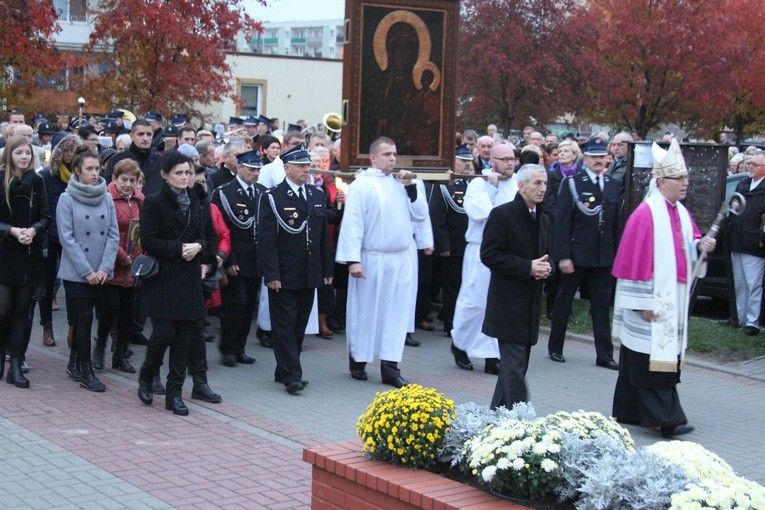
<point>333,121</point>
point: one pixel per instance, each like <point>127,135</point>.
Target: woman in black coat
<point>24,220</point>
<point>172,231</point>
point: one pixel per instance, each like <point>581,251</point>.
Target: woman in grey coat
<point>89,236</point>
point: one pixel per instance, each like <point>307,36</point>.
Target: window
<point>71,10</point>
<point>251,95</point>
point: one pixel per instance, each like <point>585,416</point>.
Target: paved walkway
<point>64,447</point>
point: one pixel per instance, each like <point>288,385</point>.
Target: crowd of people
<point>138,220</point>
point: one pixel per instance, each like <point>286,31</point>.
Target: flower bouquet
<point>406,425</point>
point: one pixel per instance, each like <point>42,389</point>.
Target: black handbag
<point>145,267</point>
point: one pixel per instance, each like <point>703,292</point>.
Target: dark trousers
<point>289,310</point>
<point>117,304</point>
<point>82,299</point>
<point>424,276</point>
<point>14,320</point>
<point>511,383</point>
<point>326,296</point>
<point>239,300</point>
<point>49,280</point>
<point>177,336</point>
<point>451,280</point>
<point>197,357</point>
<point>599,284</point>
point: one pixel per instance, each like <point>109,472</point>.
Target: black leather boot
<point>73,368</point>
<point>98,352</point>
<point>120,360</point>
<point>176,405</point>
<point>144,392</point>
<point>357,368</point>
<point>15,376</point>
<point>202,391</point>
<point>156,385</point>
<point>89,380</point>
<point>391,374</point>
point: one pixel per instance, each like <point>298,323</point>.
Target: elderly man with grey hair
<point>514,248</point>
<point>619,149</point>
<point>484,144</point>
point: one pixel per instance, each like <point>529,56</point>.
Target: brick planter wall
<point>343,478</point>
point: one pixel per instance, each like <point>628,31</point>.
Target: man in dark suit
<point>294,259</point>
<point>238,201</point>
<point>584,244</point>
<point>450,222</point>
<point>514,248</point>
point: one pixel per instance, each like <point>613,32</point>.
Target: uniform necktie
<point>300,193</point>
<point>597,182</point>
<point>250,193</point>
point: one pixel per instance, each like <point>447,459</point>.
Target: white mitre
<point>669,163</point>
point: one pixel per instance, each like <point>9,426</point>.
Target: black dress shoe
<point>145,394</point>
<point>244,359</point>
<point>396,381</point>
<point>677,430</point>
<point>177,406</point>
<point>491,366</point>
<point>204,392</point>
<point>265,338</point>
<point>359,375</point>
<point>558,358</point>
<point>461,358</point>
<point>228,360</point>
<point>610,364</point>
<point>294,387</point>
<point>751,331</point>
<point>156,386</point>
<point>411,341</point>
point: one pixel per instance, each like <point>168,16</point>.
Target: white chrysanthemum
<point>488,473</point>
<point>519,464</point>
<point>548,465</point>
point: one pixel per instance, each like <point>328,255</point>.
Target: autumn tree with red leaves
<point>513,61</point>
<point>164,55</point>
<point>27,53</point>
<point>647,62</point>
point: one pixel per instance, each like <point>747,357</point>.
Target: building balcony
<point>314,40</point>
<point>297,40</point>
<point>266,41</point>
<point>73,35</point>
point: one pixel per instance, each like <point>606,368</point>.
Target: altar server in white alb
<point>482,195</point>
<point>654,266</point>
<point>376,242</point>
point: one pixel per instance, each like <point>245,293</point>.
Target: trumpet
<point>237,131</point>
<point>333,121</point>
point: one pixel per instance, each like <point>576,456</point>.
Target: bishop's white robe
<point>480,198</point>
<point>377,232</point>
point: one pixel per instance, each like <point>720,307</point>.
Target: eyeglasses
<point>749,163</point>
<point>505,160</point>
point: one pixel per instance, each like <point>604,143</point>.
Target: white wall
<point>294,88</point>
